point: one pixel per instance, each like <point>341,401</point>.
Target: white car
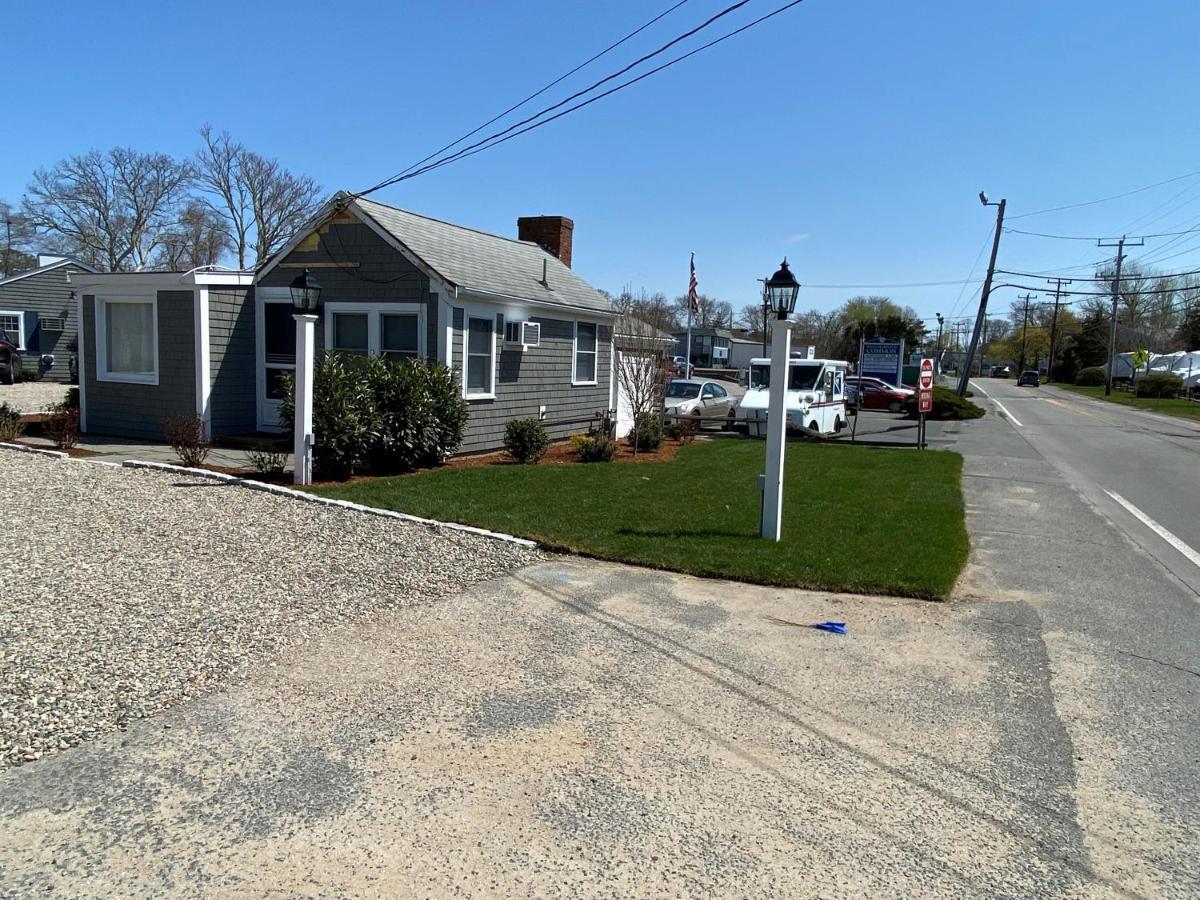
<point>700,398</point>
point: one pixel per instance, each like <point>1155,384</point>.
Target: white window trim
<point>263,296</point>
<point>373,312</point>
<point>575,354</point>
<point>20,314</point>
<point>102,373</point>
<point>484,315</point>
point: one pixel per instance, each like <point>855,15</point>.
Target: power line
<point>871,286</point>
<point>1071,237</point>
<point>504,135</point>
<point>542,90</point>
<point>1140,190</point>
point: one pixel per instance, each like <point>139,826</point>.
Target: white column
<point>302,449</point>
<point>772,506</point>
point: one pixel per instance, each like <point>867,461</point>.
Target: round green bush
<point>596,448</point>
<point>1092,376</point>
<point>525,440</point>
<point>647,431</point>
<point>1158,384</point>
<point>947,405</point>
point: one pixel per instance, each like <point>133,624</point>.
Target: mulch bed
<point>560,453</point>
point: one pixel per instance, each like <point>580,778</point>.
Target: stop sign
<point>926,376</point>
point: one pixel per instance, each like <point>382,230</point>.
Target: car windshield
<point>800,377</point>
<point>681,390</point>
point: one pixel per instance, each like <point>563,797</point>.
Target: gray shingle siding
<point>232,360</point>
<point>535,377</point>
<point>140,410</point>
<point>41,296</point>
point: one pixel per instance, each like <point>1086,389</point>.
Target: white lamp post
<point>781,291</point>
<point>306,294</point>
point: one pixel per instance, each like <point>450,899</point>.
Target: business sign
<point>925,377</point>
<point>883,359</point>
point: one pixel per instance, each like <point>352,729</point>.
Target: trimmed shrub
<point>71,401</point>
<point>947,405</point>
<point>11,426</point>
<point>29,375</point>
<point>186,436</point>
<point>1158,384</point>
<point>647,431</point>
<point>594,448</point>
<point>382,415</point>
<point>62,425</point>
<point>682,430</point>
<point>1092,376</point>
<point>525,440</point>
<point>267,458</point>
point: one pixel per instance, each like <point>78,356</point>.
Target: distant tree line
<point>125,210</point>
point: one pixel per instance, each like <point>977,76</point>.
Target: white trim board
<point>203,360</point>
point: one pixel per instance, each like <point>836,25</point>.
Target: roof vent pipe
<point>545,273</point>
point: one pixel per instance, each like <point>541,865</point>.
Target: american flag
<point>693,297</point>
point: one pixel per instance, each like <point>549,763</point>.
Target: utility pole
<point>937,355</point>
<point>7,246</point>
<point>983,296</point>
<point>1058,283</point>
<point>1024,331</point>
<point>1116,293</point>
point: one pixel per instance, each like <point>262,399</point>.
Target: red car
<point>876,394</point>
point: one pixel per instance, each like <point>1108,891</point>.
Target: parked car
<point>10,361</point>
<point>874,393</point>
<point>999,372</point>
<point>706,400</point>
<point>1029,377</point>
<point>676,368</point>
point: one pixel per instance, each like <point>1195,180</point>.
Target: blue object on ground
<point>835,627</point>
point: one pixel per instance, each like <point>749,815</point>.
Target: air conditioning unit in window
<point>52,323</point>
<point>523,334</point>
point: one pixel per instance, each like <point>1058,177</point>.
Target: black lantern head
<point>306,293</point>
<point>782,289</point>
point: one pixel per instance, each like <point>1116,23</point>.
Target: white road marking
<point>1157,529</point>
<point>1000,406</point>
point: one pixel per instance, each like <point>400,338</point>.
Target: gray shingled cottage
<point>527,336</point>
<point>38,314</point>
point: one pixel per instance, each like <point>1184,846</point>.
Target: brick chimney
<point>553,233</point>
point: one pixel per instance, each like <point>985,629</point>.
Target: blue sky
<point>851,136</point>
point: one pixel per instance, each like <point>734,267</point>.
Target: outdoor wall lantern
<point>782,289</point>
<point>306,294</point>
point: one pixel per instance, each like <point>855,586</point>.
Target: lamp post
<point>306,294</point>
<point>781,291</point>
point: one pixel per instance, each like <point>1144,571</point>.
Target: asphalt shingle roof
<point>476,260</point>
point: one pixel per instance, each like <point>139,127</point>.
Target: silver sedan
<point>703,399</point>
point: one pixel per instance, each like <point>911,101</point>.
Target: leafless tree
<point>111,209</point>
<point>754,319</point>
<point>641,359</point>
<point>261,202</point>
<point>710,312</point>
<point>16,240</point>
<point>199,239</point>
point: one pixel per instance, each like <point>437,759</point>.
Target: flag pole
<point>687,359</point>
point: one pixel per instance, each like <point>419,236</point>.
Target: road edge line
<point>1186,549</point>
<point>1000,406</point>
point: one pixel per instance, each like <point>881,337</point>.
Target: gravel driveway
<point>32,397</point>
<point>129,591</point>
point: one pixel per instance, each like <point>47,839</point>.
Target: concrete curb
<point>36,451</point>
<point>294,494</point>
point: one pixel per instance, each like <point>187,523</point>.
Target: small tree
<point>641,366</point>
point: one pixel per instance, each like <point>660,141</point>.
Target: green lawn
<point>1189,409</point>
<point>855,518</point>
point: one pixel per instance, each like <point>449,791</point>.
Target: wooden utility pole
<point>1024,331</point>
<point>1058,283</point>
<point>1116,293</point>
<point>965,378</point>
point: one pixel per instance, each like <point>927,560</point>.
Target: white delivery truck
<point>816,396</point>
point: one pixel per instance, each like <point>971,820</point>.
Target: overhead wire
<point>1040,212</point>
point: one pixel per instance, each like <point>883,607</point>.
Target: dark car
<point>10,361</point>
<point>872,393</point>
<point>999,372</point>
<point>1029,377</point>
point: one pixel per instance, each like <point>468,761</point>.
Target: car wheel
<point>837,425</point>
<point>731,420</point>
<point>895,406</point>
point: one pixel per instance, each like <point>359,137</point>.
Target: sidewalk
<point>112,449</point>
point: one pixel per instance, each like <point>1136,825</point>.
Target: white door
<point>624,409</point>
<point>276,356</point>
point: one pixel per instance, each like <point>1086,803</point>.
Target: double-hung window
<point>481,360</point>
<point>399,336</point>
<point>12,328</point>
<point>584,371</point>
<point>127,340</point>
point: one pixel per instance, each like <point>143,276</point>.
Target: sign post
<point>924,399</point>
